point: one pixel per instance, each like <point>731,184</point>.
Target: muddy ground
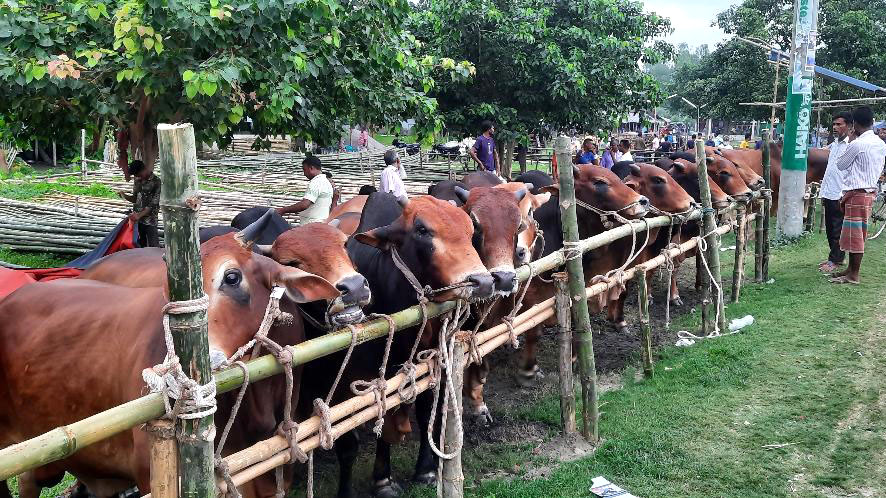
<point>515,444</point>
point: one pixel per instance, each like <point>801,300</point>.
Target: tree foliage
<point>544,64</point>
<point>851,37</point>
<point>298,67</point>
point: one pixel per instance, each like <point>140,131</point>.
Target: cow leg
<point>385,487</point>
<point>616,312</point>
<point>528,369</point>
<point>426,465</point>
<point>346,447</point>
<point>475,380</point>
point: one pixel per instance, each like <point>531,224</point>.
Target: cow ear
<point>263,249</point>
<point>334,223</point>
<point>635,170</point>
<point>680,167</point>
<point>576,171</point>
<point>632,184</point>
<point>550,189</point>
<point>709,160</point>
<point>462,194</point>
<point>304,287</point>
<point>540,199</point>
<point>382,237</point>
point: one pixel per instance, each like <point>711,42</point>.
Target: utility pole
<point>798,118</point>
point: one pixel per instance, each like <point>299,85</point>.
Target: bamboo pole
<point>758,241</point>
<point>740,237</point>
<point>564,324</point>
<point>164,459</point>
<point>712,255</point>
<point>767,204</point>
<point>451,480</point>
<point>83,153</point>
<point>54,155</point>
<point>581,319</point>
<point>645,325</point>
<point>190,331</point>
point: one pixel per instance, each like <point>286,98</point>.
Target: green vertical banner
<point>798,114</point>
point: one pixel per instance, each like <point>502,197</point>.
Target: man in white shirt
<point>862,164</point>
<point>315,205</point>
<point>624,148</point>
<point>391,180</point>
<point>832,191</point>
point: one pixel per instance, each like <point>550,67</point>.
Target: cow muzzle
<point>482,286</point>
<point>505,281</point>
<point>639,209</point>
<point>757,185</point>
<point>347,308</point>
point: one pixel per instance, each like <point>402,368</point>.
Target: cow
<point>434,240</point>
<point>601,189</point>
<point>445,189</point>
<point>481,179</point>
<point>353,205</point>
<point>107,334</point>
<point>317,248</point>
<point>271,228</point>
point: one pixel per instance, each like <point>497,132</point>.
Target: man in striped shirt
<point>861,164</point>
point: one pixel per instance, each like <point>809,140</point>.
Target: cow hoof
<point>622,327</point>
<point>426,478</point>
<point>482,416</point>
<point>529,378</point>
<point>676,301</point>
<point>387,489</point>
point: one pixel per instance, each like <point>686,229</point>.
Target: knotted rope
<point>378,385</point>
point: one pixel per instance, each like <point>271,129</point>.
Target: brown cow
<point>529,240</point>
<point>107,334</point>
<point>317,248</point>
<point>353,205</point>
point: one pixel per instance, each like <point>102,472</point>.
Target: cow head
<point>433,238</point>
<point>660,188</point>
<point>727,177</point>
<point>529,241</point>
<point>238,283</point>
<point>319,248</point>
<point>686,175</point>
<point>750,177</point>
<point>495,214</point>
<point>603,190</point>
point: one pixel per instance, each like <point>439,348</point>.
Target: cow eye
<point>600,183</point>
<point>658,179</point>
<point>422,231</point>
<point>233,278</point>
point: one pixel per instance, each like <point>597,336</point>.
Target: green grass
<point>33,259</point>
<point>30,190</point>
<point>808,368</point>
<point>45,493</point>
<point>387,139</point>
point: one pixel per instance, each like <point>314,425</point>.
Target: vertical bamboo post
<point>83,153</point>
<point>767,204</point>
<point>712,255</point>
<point>178,163</point>
<point>164,459</point>
<point>564,324</point>
<point>421,158</point>
<point>645,325</point>
<point>451,483</point>
<point>53,154</point>
<point>740,238</point>
<point>758,241</point>
<point>581,321</point>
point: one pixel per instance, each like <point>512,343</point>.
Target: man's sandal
<point>843,279</point>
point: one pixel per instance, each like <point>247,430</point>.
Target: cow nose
<point>505,281</point>
<point>643,201</point>
<point>483,285</point>
<point>694,205</point>
<point>354,290</point>
<point>757,185</point>
<point>520,254</point>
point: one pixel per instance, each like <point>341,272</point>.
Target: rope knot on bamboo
<point>192,400</point>
<point>377,387</point>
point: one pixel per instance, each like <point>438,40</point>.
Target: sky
<point>691,20</point>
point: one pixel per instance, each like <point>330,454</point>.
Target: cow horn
<point>462,193</point>
<point>709,160</point>
<point>403,201</point>
<point>576,170</point>
<point>334,223</point>
<point>520,194</point>
<point>248,235</point>
<point>635,170</point>
<point>476,222</point>
<point>264,249</point>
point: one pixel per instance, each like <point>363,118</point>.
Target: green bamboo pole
<point>767,203</point>
<point>645,324</point>
<point>712,255</point>
<point>740,238</point>
<point>581,321</point>
<point>62,442</point>
<point>190,331</point>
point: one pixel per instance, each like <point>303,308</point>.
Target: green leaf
<point>38,71</point>
<point>191,91</point>
<point>129,44</point>
<point>188,75</point>
<point>149,43</point>
<point>93,13</point>
<point>209,87</point>
<point>158,47</point>
<point>222,128</point>
<point>213,3</point>
<point>120,76</point>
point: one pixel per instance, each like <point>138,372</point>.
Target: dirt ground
<point>613,352</point>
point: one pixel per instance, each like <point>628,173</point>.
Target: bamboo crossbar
<point>62,442</point>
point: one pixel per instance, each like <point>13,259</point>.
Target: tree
<point>542,64</point>
<point>302,68</point>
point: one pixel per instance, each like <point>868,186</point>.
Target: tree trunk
<point>521,158</point>
<point>4,166</point>
<point>102,136</point>
<point>507,159</point>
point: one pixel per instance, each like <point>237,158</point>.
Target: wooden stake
<point>740,238</point>
<point>581,320</point>
<point>164,459</point>
<point>53,154</point>
<point>645,325</point>
<point>83,153</point>
<point>767,204</point>
<point>564,324</point>
<point>451,483</point>
<point>712,255</point>
<point>178,163</point>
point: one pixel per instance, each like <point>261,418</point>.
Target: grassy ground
<point>387,139</point>
<point>34,259</point>
<point>36,188</point>
<point>807,375</point>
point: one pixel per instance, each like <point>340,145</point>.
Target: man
<point>483,151</point>
<point>586,154</point>
<point>624,147</point>
<point>881,132</point>
<point>608,157</point>
<point>832,191</point>
<point>145,199</point>
<point>391,181</point>
<point>655,142</point>
<point>315,205</point>
<point>862,165</point>
<point>746,143</point>
<point>690,144</point>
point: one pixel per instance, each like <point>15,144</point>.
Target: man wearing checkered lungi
<point>861,164</point>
